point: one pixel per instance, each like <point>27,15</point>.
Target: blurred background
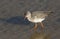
<point>13,25</point>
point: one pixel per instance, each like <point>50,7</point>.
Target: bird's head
<point>27,15</point>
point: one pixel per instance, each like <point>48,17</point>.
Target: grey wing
<point>40,14</point>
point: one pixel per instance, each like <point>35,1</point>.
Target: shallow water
<point>13,25</point>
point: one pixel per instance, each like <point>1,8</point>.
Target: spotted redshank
<point>37,17</point>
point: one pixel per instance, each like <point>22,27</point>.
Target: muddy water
<point>40,35</point>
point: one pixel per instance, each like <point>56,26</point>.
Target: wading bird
<point>37,17</point>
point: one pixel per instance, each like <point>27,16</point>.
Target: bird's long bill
<point>25,18</point>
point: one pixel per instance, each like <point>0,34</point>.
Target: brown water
<point>40,35</point>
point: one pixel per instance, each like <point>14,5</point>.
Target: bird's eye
<point>24,14</point>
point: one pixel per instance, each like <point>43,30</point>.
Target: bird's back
<point>40,14</point>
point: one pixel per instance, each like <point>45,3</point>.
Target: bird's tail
<point>50,12</point>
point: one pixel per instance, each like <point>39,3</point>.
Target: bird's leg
<point>35,27</point>
<point>42,25</point>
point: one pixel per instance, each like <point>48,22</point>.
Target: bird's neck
<point>30,18</point>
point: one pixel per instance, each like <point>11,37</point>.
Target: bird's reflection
<point>39,35</point>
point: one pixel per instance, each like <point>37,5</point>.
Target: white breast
<point>38,20</point>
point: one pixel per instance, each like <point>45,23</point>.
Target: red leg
<point>35,27</point>
<point>42,25</point>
